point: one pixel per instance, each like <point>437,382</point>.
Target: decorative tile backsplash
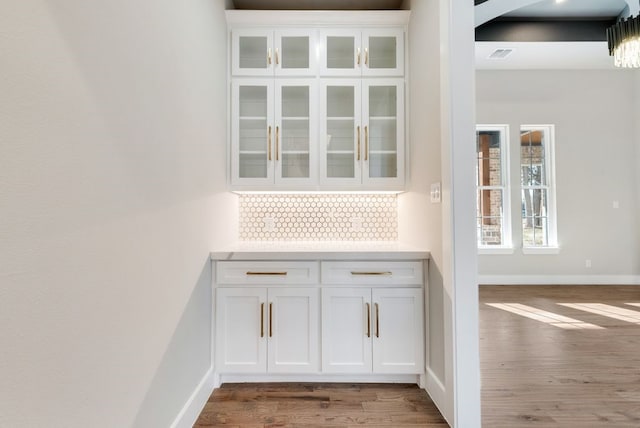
<point>318,217</point>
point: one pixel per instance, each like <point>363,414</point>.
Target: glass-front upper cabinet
<point>273,132</point>
<point>383,110</point>
<point>362,133</point>
<point>376,52</point>
<point>268,52</point>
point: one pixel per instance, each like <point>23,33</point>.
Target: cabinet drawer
<point>266,273</point>
<point>405,273</point>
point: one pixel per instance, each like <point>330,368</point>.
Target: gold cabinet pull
<point>254,273</point>
<point>358,57</point>
<point>277,143</point>
<point>366,143</point>
<point>381,273</point>
<point>261,319</point>
<point>277,57</point>
<point>269,143</point>
<point>377,320</point>
<point>366,56</point>
<point>368,320</point>
<point>358,129</point>
<point>269,56</point>
<point>270,319</point>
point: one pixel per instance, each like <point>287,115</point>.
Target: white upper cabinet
<point>273,132</point>
<point>362,133</point>
<point>317,100</point>
<point>268,52</point>
<point>371,52</point>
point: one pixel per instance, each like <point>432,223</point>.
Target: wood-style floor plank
<point>536,374</point>
<point>320,405</point>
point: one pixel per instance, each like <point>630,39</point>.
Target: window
<point>538,186</point>
<point>492,208</point>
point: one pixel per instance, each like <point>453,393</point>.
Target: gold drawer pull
<point>377,320</point>
<point>270,319</point>
<point>368,320</point>
<point>261,319</point>
<point>387,273</point>
<point>267,273</point>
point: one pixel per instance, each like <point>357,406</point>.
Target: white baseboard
<point>194,405</point>
<point>364,378</point>
<point>559,279</point>
<point>437,391</point>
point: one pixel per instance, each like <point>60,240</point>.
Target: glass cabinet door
<point>252,132</point>
<point>383,51</point>
<point>341,137</point>
<point>295,52</point>
<point>294,133</point>
<point>252,52</point>
<point>383,131</point>
<point>341,53</point>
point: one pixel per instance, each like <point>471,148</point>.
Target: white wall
<point>595,116</point>
<point>440,73</point>
<point>420,220</point>
<point>112,160</point>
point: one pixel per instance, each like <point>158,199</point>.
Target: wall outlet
<point>616,205</point>
<point>269,224</point>
<point>587,264</point>
<point>356,224</point>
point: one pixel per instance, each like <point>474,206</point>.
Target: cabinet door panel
<point>383,110</point>
<point>340,53</point>
<point>252,52</point>
<point>252,132</point>
<point>398,346</point>
<point>341,136</point>
<point>295,134</point>
<point>383,52</point>
<point>295,52</point>
<point>346,330</point>
<point>240,330</point>
<point>293,330</point>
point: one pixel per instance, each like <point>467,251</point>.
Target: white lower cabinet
<point>372,330</point>
<point>271,329</point>
<point>318,318</point>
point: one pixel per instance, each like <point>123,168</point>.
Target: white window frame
<point>551,246</point>
<point>506,247</point>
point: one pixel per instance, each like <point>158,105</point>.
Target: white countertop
<point>320,250</point>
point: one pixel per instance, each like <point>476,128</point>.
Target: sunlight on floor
<point>544,316</point>
<point>609,311</point>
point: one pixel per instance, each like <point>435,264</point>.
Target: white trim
<point>194,405</point>
<point>348,378</point>
<point>559,279</point>
<point>540,250</point>
<point>437,391</point>
<point>279,18</point>
<point>495,250</point>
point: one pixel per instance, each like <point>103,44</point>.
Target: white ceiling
<point>317,4</point>
<point>570,9</point>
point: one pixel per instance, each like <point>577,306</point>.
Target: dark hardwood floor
<point>553,373</point>
<point>319,405</point>
<point>549,358</point>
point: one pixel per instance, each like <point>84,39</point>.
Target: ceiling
<point>317,4</point>
<point>546,34</point>
<point>537,34</point>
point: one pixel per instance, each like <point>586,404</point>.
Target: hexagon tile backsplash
<point>318,217</point>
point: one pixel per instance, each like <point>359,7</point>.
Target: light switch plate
<point>435,193</point>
